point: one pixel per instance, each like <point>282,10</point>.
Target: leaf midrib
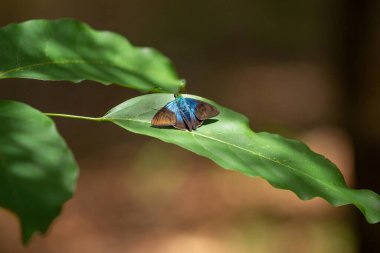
<point>61,62</point>
<point>73,61</point>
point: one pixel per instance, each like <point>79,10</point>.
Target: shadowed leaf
<point>69,50</point>
<point>37,170</point>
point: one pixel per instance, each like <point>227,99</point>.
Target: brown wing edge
<point>205,111</point>
<point>164,117</point>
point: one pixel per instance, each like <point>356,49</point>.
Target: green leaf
<point>37,170</point>
<point>284,163</point>
<point>66,49</point>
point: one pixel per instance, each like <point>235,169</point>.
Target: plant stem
<point>75,117</point>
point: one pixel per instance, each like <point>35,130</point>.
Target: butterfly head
<point>177,95</point>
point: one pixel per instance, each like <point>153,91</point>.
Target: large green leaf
<point>37,170</point>
<point>228,141</point>
<point>69,50</point>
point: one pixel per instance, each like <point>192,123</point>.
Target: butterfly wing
<point>180,123</point>
<point>190,120</point>
<point>169,115</point>
<point>195,122</point>
<point>202,110</point>
<point>166,116</point>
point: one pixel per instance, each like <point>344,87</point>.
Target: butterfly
<point>184,113</point>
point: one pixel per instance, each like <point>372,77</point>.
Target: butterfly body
<point>184,113</point>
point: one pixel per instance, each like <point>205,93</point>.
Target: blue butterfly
<point>184,113</point>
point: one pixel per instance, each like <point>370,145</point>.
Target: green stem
<point>75,117</point>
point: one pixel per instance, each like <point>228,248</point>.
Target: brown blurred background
<point>304,69</point>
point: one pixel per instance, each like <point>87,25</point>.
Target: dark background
<point>304,69</point>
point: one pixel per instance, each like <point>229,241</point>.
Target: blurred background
<point>304,69</point>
